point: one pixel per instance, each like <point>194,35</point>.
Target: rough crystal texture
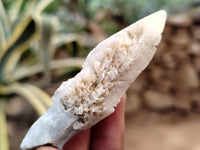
<point>93,93</point>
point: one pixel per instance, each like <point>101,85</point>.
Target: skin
<point>108,134</point>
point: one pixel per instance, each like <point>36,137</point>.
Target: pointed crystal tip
<point>156,21</point>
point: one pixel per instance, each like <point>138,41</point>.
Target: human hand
<point>106,135</point>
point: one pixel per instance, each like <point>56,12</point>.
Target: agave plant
<point>27,44</point>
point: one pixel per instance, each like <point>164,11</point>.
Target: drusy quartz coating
<point>93,93</point>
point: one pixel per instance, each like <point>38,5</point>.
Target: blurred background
<point>44,42</point>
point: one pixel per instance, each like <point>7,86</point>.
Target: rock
<point>181,37</point>
<point>158,100</point>
<point>133,102</point>
<point>197,63</point>
<point>168,61</point>
<point>175,71</point>
<point>196,96</point>
<point>196,32</point>
<point>138,84</point>
<point>180,20</point>
<point>190,76</point>
<point>164,85</point>
<point>179,55</point>
<point>194,48</point>
<point>183,100</point>
<point>156,72</point>
<point>93,93</point>
<point>196,16</point>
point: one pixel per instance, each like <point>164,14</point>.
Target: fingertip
<point>46,148</point>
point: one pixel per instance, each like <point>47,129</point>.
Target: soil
<point>152,131</point>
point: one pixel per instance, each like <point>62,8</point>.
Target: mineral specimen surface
<point>93,93</point>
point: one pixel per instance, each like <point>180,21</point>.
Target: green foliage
<point>132,10</point>
<point>28,41</point>
<point>28,32</point>
<point>3,128</point>
<point>109,26</point>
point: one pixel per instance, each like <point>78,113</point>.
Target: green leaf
<point>29,8</point>
<point>24,12</point>
<point>41,5</point>
<point>14,10</point>
<point>2,39</point>
<point>27,71</point>
<point>4,26</point>
<point>3,127</point>
<point>62,39</point>
<point>41,95</point>
<point>20,41</point>
<point>72,43</point>
<point>23,91</point>
<point>46,31</point>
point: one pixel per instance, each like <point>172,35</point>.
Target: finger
<point>46,148</point>
<point>80,141</point>
<point>109,133</point>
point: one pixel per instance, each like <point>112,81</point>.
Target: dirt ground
<point>151,131</point>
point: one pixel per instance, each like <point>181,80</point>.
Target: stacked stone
<point>172,80</point>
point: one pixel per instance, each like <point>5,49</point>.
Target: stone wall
<point>172,80</point>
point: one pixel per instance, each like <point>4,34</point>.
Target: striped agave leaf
<point>15,47</point>
<point>20,26</point>
<point>24,32</point>
<point>27,93</point>
<point>4,26</point>
<point>3,126</point>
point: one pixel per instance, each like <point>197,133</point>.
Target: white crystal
<point>92,94</point>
